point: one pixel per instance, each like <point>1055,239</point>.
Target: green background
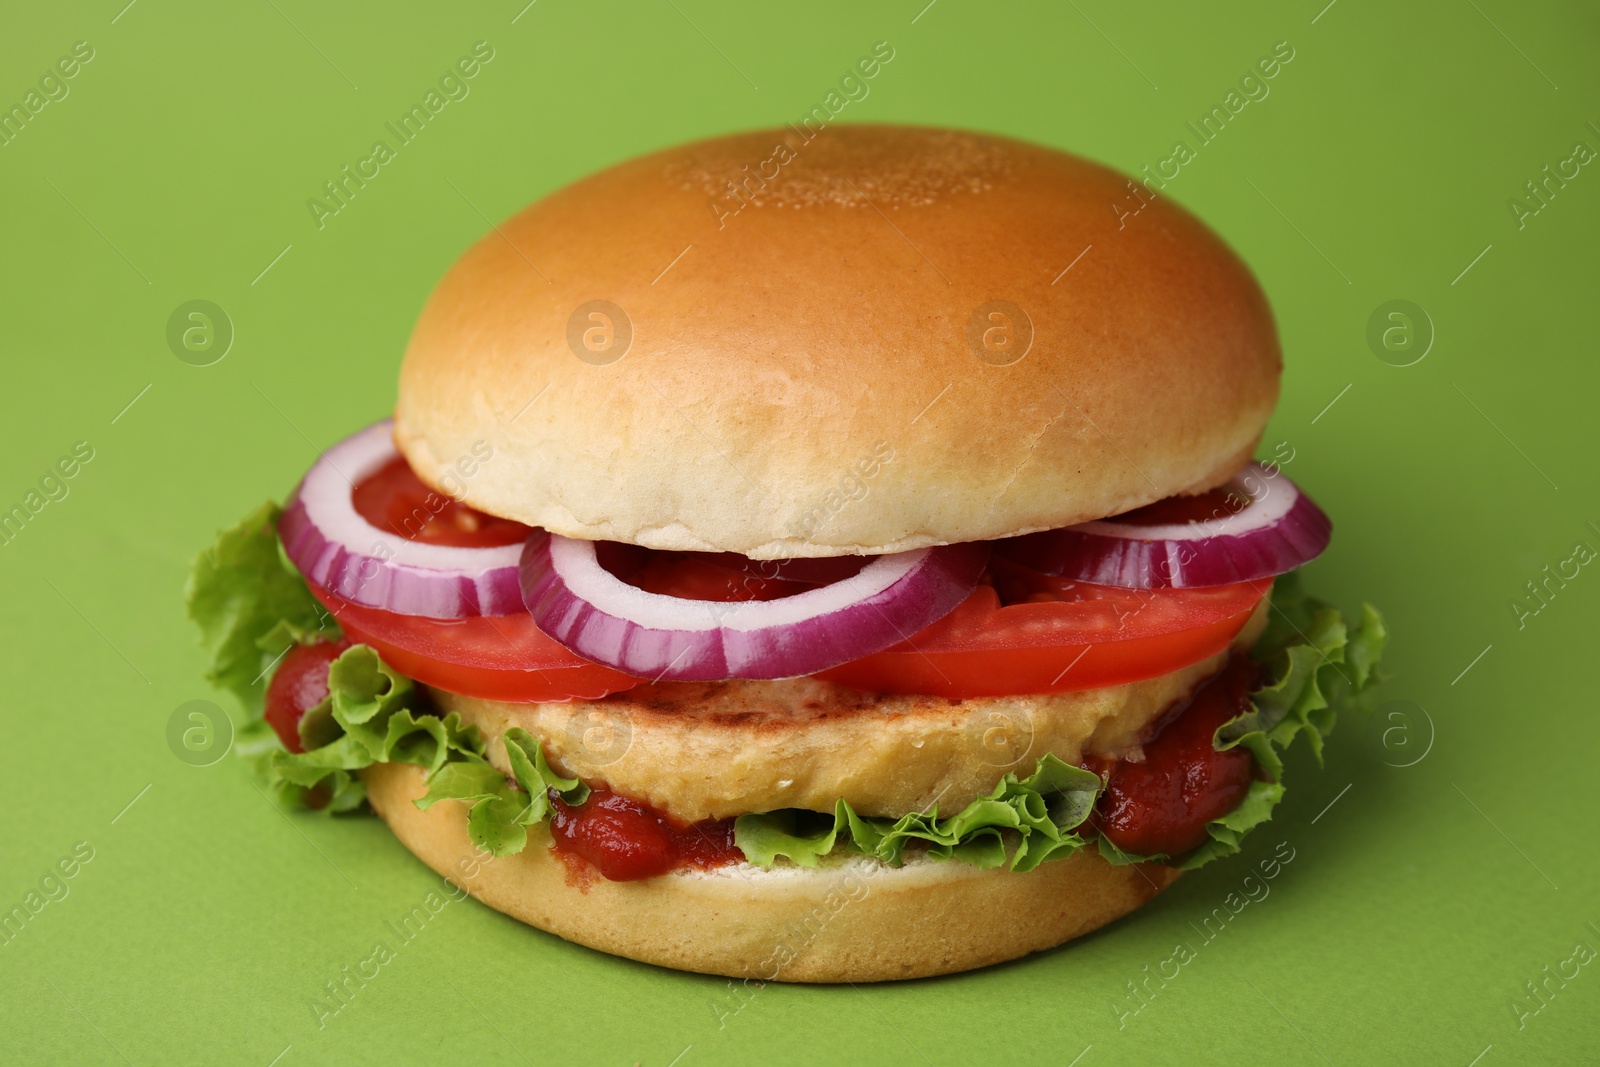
<point>1379,168</point>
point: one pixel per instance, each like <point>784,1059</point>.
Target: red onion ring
<point>602,618</point>
<point>336,548</point>
<point>1278,530</point>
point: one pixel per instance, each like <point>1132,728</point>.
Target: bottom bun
<point>849,920</point>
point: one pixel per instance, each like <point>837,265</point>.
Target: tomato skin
<point>1020,633</point>
<point>299,684</point>
<point>504,658</point>
<point>1029,633</point>
<point>1161,806</point>
<point>1024,633</point>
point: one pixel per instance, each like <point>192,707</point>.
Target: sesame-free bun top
<point>876,339</point>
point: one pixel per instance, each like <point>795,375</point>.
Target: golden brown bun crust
<point>800,379</point>
<point>716,750</point>
<point>859,921</point>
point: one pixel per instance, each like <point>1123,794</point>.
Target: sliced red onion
<point>602,618</point>
<point>1278,530</point>
<point>340,551</point>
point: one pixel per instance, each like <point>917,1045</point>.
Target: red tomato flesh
<point>1028,632</point>
<point>299,684</point>
<point>626,839</point>
<point>496,658</point>
<point>393,498</point>
<point>1161,806</point>
<point>1202,507</point>
<point>503,657</point>
<point>1020,632</point>
<point>721,576</point>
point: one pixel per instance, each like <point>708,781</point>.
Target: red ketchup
<point>299,684</point>
<point>1163,804</point>
<point>626,840</point>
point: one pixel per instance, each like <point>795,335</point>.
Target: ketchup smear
<point>627,840</point>
<point>1161,806</point>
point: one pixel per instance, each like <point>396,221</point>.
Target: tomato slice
<point>1020,632</point>
<point>1032,633</point>
<point>393,498</point>
<point>1202,507</point>
<point>504,657</point>
<point>723,576</point>
<point>299,684</point>
<point>501,657</point>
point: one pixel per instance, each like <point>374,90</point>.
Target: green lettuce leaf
<point>250,605</point>
<point>501,809</point>
<point>371,715</point>
<point>1040,812</point>
<point>1316,665</point>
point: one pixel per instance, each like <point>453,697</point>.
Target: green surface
<point>1420,899</point>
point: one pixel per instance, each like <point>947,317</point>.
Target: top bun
<point>865,339</point>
